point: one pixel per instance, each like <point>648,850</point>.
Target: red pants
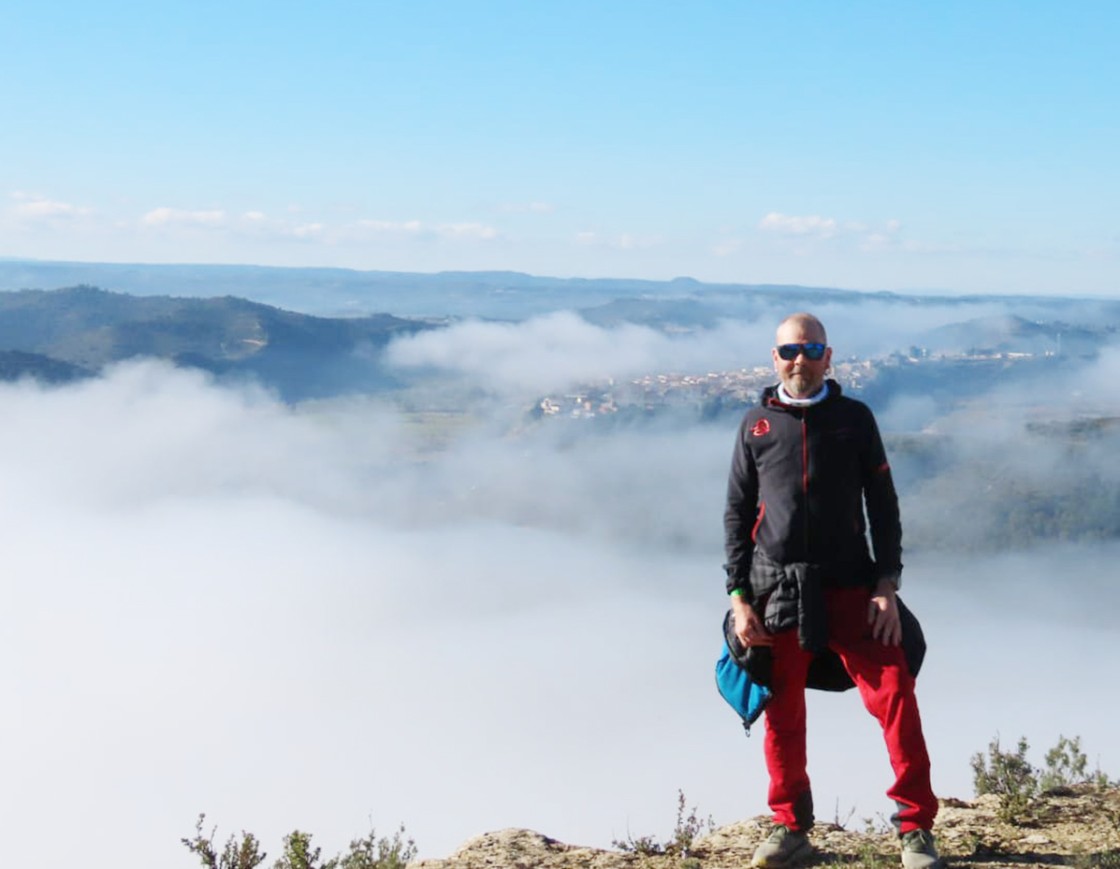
<point>887,689</point>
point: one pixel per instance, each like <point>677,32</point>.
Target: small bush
<point>1067,766</point>
<point>1010,777</point>
<point>298,853</point>
<point>688,828</point>
<point>236,854</point>
<point>369,852</point>
<point>644,846</point>
<point>1017,784</point>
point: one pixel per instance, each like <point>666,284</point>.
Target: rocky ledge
<point>1067,827</point>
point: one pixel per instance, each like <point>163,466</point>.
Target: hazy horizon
<point>948,293</point>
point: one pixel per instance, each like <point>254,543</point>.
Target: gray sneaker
<point>919,851</point>
<point>784,847</point>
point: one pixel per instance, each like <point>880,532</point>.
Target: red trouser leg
<point>790,796</point>
<point>887,690</point>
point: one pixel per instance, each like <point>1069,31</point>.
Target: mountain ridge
<point>78,330</point>
<point>508,294</point>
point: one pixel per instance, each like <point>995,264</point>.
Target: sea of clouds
<point>288,617</point>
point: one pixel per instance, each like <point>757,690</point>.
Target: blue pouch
<point>743,694</point>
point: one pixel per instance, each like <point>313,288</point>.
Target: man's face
<point>802,377</point>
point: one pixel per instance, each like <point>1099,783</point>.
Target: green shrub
<point>236,854</point>
<point>1010,777</point>
<point>298,853</point>
<point>1067,765</point>
<point>369,852</point>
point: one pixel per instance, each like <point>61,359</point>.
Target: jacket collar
<point>770,397</point>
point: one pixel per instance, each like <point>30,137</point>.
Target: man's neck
<point>785,398</point>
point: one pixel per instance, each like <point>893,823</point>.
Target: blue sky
<point>956,146</point>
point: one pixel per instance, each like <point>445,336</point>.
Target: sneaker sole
<point>794,857</point>
<point>939,863</point>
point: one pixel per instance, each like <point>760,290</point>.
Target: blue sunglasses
<point>813,352</point>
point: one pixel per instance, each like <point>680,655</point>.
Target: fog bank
<point>288,618</point>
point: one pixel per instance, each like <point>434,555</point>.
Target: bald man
<point>808,467</point>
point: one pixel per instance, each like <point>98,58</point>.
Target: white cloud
<point>815,225</point>
<point>257,224</point>
<point>876,241</point>
<point>868,237</point>
<point>419,229</point>
<point>562,349</point>
<point>544,352</point>
<point>34,207</point>
<point>164,216</point>
<point>308,230</point>
<point>625,241</point>
<point>467,230</point>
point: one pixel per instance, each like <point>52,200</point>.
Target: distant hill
<point>493,294</point>
<point>63,334</point>
<point>341,292</point>
<point>1014,334</point>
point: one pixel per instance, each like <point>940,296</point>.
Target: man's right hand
<point>748,626</point>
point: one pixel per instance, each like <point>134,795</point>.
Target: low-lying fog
<point>286,618</point>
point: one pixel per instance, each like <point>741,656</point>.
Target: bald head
<point>801,376</point>
<point>802,323</point>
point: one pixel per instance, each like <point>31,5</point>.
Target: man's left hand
<point>882,614</point>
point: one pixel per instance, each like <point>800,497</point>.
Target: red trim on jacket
<point>804,455</point>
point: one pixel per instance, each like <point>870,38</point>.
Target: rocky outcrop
<point>1079,828</point>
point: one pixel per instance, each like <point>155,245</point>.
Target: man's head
<point>800,337</point>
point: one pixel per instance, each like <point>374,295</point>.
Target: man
<point>803,583</point>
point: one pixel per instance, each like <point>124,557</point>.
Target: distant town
<point>717,391</point>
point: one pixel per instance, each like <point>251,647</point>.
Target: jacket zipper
<point>805,475</point>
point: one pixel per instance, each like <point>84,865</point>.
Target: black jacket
<point>800,479</point>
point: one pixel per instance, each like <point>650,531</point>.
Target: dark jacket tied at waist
<point>794,599</point>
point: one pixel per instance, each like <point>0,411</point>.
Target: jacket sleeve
<point>882,506</point>
<point>739,516</point>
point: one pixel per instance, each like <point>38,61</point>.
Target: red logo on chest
<point>760,428</point>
